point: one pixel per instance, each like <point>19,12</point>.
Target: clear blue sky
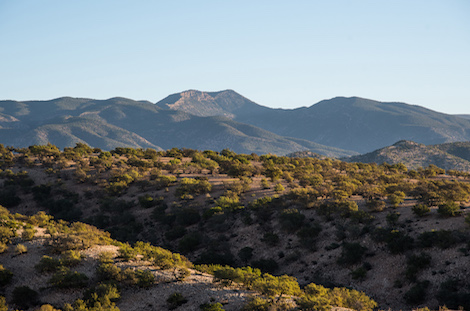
<point>277,53</point>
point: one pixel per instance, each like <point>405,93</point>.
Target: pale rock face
<point>206,104</point>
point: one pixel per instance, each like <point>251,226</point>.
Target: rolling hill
<point>458,149</point>
<point>415,155</point>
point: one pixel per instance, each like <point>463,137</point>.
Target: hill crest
<point>223,103</point>
<point>450,156</point>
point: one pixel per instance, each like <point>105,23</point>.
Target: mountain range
<point>337,127</point>
<point>354,123</point>
<point>118,122</point>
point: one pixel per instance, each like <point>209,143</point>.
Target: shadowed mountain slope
<point>465,116</point>
<point>364,124</point>
<point>66,121</point>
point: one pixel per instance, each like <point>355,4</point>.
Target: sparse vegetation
<point>228,208</point>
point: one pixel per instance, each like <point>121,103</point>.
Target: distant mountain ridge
<point>120,122</point>
<point>351,123</point>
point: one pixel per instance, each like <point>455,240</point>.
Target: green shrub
<point>40,219</point>
<point>276,286</point>
<point>265,265</point>
<point>375,205</point>
<point>127,253</point>
<point>359,273</point>
<point>127,276</point>
<point>106,257</point>
<point>146,201</point>
<point>279,188</point>
<point>104,293</point>
<point>229,202</point>
<point>48,264</point>
<point>193,187</point>
<point>187,217</point>
<point>307,303</point>
<point>448,209</point>
<point>352,299</point>
<point>417,294</point>
<point>5,276</point>
<point>245,254</point>
<point>6,233</point>
<point>25,297</point>
<point>108,272</point>
<point>20,249</point>
<point>397,241</point>
<point>3,304</point>
<point>175,233</point>
<point>265,183</point>
<point>291,219</point>
<point>361,217</point>
<point>216,210</point>
<point>64,278</point>
<point>270,238</point>
<point>216,257</point>
<point>454,294</point>
<point>181,273</point>
<point>77,236</point>
<point>396,198</point>
<point>261,202</point>
<point>258,304</point>
<point>9,198</point>
<point>71,258</point>
<point>421,210</point>
<point>65,208</point>
<point>28,234</point>
<point>175,300</point>
<point>440,238</point>
<point>351,253</point>
<point>164,181</point>
<point>416,263</point>
<point>213,306</point>
<point>116,187</point>
<point>308,236</point>
<point>347,208</point>
<point>190,242</point>
<point>392,218</point>
<point>145,278</point>
<point>226,275</point>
